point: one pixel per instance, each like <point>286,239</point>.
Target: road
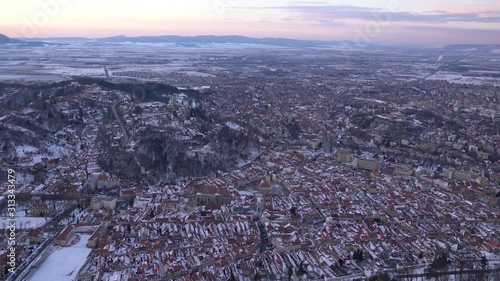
<point>120,123</point>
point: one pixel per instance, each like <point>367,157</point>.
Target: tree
<point>232,277</point>
<point>484,262</point>
<point>138,110</point>
<point>358,255</point>
<point>301,271</point>
<point>384,276</point>
<point>290,273</point>
<point>440,262</point>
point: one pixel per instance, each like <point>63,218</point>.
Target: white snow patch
<point>234,126</point>
<point>24,150</point>
<point>64,264</point>
<point>23,222</point>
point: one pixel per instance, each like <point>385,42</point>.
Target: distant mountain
<point>56,39</point>
<point>22,43</point>
<point>186,40</point>
<point>205,39</point>
<point>193,41</point>
<point>6,40</point>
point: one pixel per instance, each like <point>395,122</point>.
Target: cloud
<point>324,12</point>
<point>414,34</point>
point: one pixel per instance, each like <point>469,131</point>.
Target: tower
<point>327,146</point>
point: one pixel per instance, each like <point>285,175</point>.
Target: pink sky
<point>383,21</point>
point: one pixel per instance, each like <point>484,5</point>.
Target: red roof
<point>66,231</point>
<point>102,177</point>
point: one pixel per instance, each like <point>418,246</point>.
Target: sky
<point>423,22</point>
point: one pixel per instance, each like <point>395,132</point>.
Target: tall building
<point>327,145</point>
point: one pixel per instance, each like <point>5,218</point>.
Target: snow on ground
<point>247,192</point>
<point>63,264</point>
<point>76,71</point>
<point>22,150</point>
<point>4,117</point>
<point>197,73</point>
<point>27,77</point>
<point>453,77</point>
<point>23,178</point>
<point>27,111</point>
<point>58,151</point>
<point>373,100</point>
<point>489,255</point>
<point>23,221</point>
<point>234,126</point>
<point>20,129</point>
<point>207,149</point>
<point>54,151</point>
<point>493,260</point>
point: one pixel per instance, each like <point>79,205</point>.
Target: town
<point>253,163</point>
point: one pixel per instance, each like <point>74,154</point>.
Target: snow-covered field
<point>52,151</point>
<point>63,264</point>
<point>453,77</point>
<point>196,73</point>
<point>76,71</point>
<point>22,150</point>
<point>23,222</point>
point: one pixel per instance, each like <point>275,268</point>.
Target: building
<point>65,236</point>
<point>96,236</point>
<point>404,169</point>
<point>457,175</point>
<point>40,210</point>
<point>366,164</point>
<point>204,194</point>
<point>100,202</point>
<point>344,156</point>
<point>101,181</point>
<point>35,235</point>
<point>131,193</point>
<point>442,183</point>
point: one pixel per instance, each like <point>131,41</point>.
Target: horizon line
<point>251,37</point>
